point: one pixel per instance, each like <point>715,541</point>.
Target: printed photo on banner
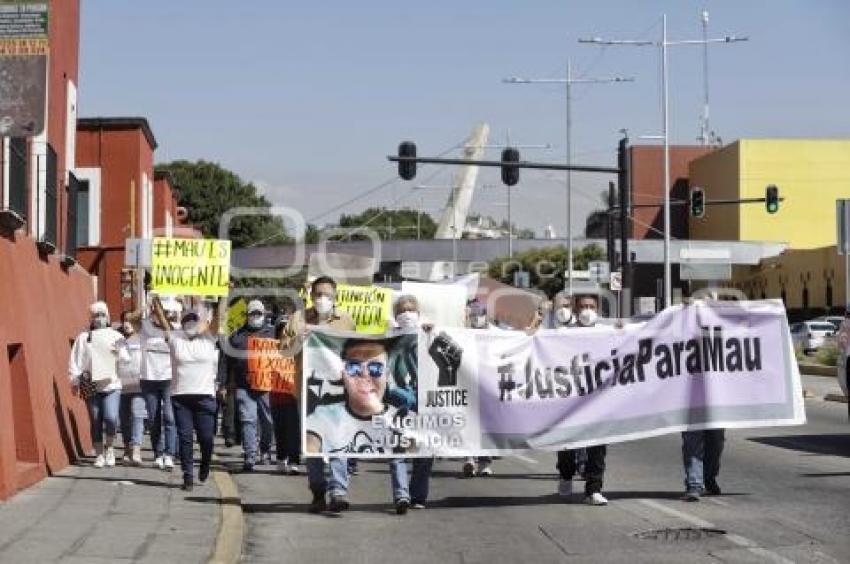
<point>358,392</point>
<point>193,267</point>
<point>267,369</point>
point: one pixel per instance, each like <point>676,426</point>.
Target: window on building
<point>51,198</point>
<point>78,214</point>
<point>18,193</point>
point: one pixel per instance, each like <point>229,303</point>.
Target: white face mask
<point>564,315</point>
<point>100,322</point>
<point>324,305</point>
<point>407,319</point>
<point>191,329</point>
<point>587,317</point>
<point>479,321</point>
<point>256,321</point>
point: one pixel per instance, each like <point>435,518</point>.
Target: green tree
<point>208,190</point>
<point>402,223</point>
<point>546,266</point>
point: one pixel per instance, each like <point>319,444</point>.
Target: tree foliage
<point>392,224</point>
<point>546,266</point>
<point>208,190</point>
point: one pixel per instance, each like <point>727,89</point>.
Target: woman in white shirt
<point>133,409</point>
<point>194,365</point>
<point>98,380</point>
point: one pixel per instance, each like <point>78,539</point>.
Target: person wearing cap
<point>99,381</point>
<point>285,414</point>
<point>155,378</point>
<point>194,362</point>
<point>253,405</point>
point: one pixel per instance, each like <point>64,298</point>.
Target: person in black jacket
<point>253,405</point>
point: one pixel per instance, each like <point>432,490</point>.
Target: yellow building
<point>811,175</point>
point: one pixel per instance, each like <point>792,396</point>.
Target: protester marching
<point>363,373</point>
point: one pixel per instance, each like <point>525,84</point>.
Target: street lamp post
<point>568,81</point>
<point>664,43</point>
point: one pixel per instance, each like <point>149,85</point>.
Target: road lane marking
<point>743,542</point>
<point>228,542</point>
<point>526,459</point>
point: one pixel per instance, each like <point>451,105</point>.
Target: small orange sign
<point>268,369</point>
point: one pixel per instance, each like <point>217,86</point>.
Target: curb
<point>841,398</point>
<point>228,542</point>
<point>817,370</point>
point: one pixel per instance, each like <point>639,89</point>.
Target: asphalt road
<point>786,499</point>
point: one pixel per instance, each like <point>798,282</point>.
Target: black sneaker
<point>228,442</point>
<point>711,487</point>
<point>203,473</point>
<point>318,505</point>
<point>187,485</point>
<point>691,495</point>
<point>338,504</point>
<point>248,467</point>
<point>401,506</point>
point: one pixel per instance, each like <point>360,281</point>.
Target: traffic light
<point>697,202</point>
<point>510,174</point>
<point>771,199</point>
<point>407,169</point>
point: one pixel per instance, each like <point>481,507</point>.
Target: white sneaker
<point>565,488</point>
<point>596,499</point>
<point>136,456</point>
<point>159,462</point>
<point>294,470</point>
<point>168,462</point>
<point>485,469</point>
<point>283,466</point>
<point>100,461</point>
<point>110,457</point>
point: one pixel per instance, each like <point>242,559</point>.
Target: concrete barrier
<point>818,369</point>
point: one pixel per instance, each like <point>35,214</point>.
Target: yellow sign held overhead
<point>369,306</point>
<point>193,267</point>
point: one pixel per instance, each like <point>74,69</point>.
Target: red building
<point>44,296</point>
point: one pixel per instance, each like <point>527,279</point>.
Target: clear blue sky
<point>307,98</point>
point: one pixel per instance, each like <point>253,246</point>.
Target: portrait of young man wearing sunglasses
<point>348,427</point>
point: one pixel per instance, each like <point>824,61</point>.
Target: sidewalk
<point>120,514</point>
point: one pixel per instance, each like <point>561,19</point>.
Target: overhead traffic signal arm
<point>518,164</point>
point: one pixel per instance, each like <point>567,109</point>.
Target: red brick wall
<point>42,426</point>
<point>647,180</point>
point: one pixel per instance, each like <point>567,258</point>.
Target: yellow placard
<point>237,315</point>
<point>369,306</point>
<point>192,267</point>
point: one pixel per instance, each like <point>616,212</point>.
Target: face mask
<point>99,322</point>
<point>479,321</point>
<point>127,328</point>
<point>191,329</point>
<point>256,321</point>
<point>407,319</point>
<point>587,317</point>
<point>323,304</point>
<point>564,315</point>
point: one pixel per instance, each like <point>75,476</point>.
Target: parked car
<point>809,336</point>
<point>836,320</point>
<point>843,363</point>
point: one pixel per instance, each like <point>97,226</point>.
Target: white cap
<point>256,306</point>
<point>170,304</point>
<point>99,308</point>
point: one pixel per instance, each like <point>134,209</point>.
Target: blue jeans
<point>254,405</point>
<point>337,485</point>
<point>701,452</point>
<point>160,414</point>
<point>195,412</point>
<point>103,411</point>
<point>133,414</point>
<point>416,490</point>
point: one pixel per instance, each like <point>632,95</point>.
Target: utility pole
<point>568,81</point>
<point>663,44</point>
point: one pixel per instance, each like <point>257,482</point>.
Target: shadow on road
<point>835,445</point>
